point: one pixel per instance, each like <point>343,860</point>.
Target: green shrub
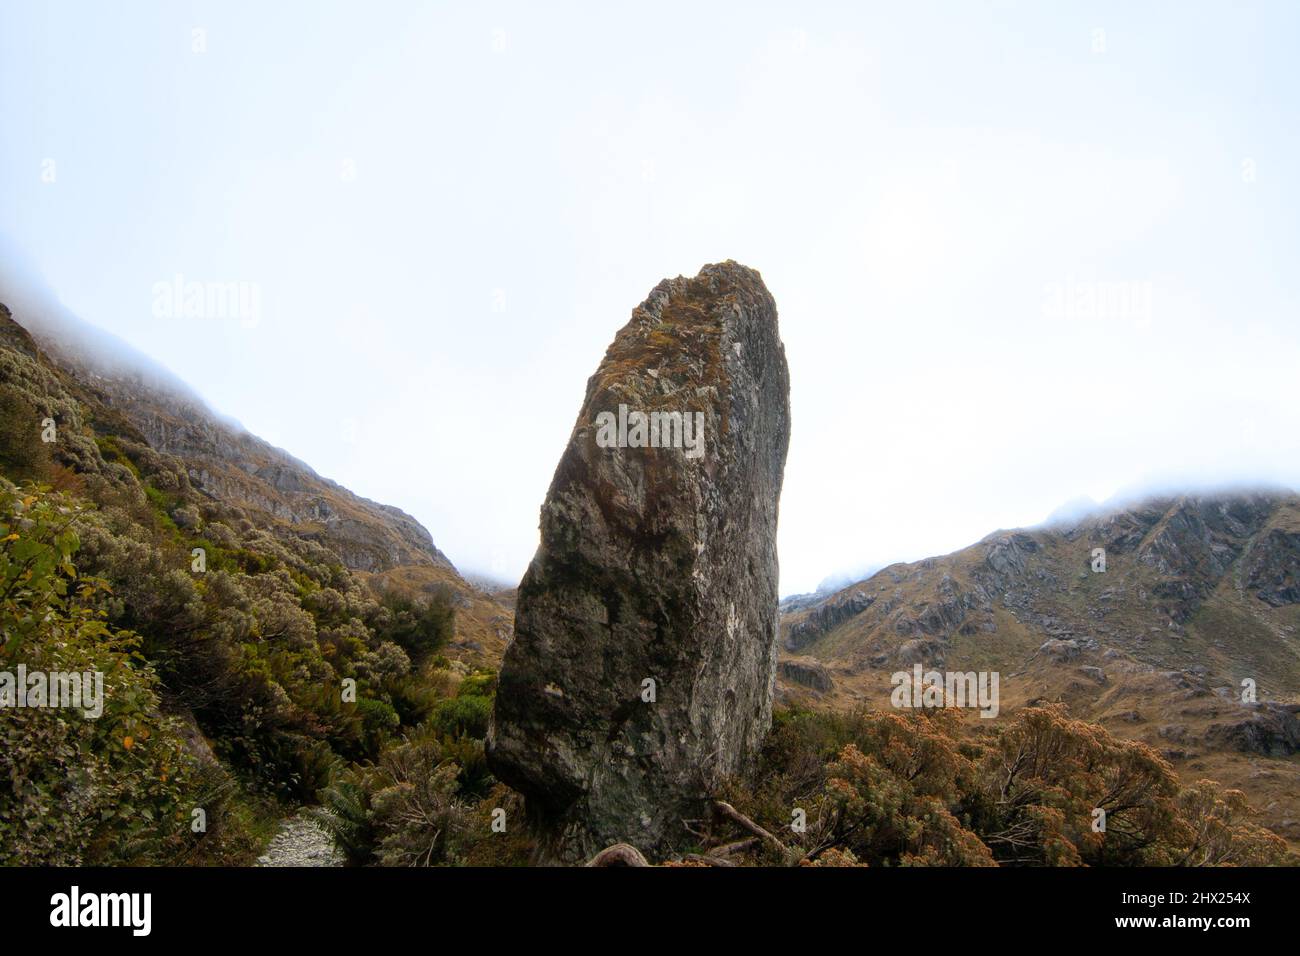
<point>23,456</point>
<point>407,809</point>
<point>481,683</point>
<point>462,716</point>
<point>76,789</point>
<point>420,626</point>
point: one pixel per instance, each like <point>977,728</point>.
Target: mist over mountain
<point>1072,512</point>
<point>62,332</point>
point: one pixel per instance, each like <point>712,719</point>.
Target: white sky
<point>449,209</point>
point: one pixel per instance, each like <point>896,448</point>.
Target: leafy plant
<point>76,787</point>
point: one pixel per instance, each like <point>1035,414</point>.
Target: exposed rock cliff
<point>644,657</point>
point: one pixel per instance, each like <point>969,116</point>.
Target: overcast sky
<point>1021,252</point>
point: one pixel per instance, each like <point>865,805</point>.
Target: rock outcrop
<point>1273,568</point>
<point>643,663</point>
<point>823,618</point>
<point>807,671</point>
<point>1270,729</point>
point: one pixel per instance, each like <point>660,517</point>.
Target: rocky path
<point>301,842</point>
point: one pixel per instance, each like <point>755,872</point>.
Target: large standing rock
<point>644,656</point>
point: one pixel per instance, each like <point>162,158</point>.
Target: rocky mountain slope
<point>270,488</point>
<point>282,631</point>
<point>1197,602</point>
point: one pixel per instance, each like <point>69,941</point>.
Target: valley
<point>1155,622</point>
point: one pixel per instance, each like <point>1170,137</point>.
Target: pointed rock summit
<point>644,656</point>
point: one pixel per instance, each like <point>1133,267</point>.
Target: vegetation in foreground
<point>224,686</point>
<point>401,774</point>
<point>919,788</point>
<point>230,694</point>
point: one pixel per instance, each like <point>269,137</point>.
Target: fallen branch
<point>708,859</point>
<point>740,846</point>
<point>735,816</point>
<point>692,831</point>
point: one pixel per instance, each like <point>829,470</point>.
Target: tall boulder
<point>644,656</point>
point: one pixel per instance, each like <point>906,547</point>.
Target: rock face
<point>644,657</point>
<point>807,671</point>
<point>1271,729</point>
<point>825,617</point>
